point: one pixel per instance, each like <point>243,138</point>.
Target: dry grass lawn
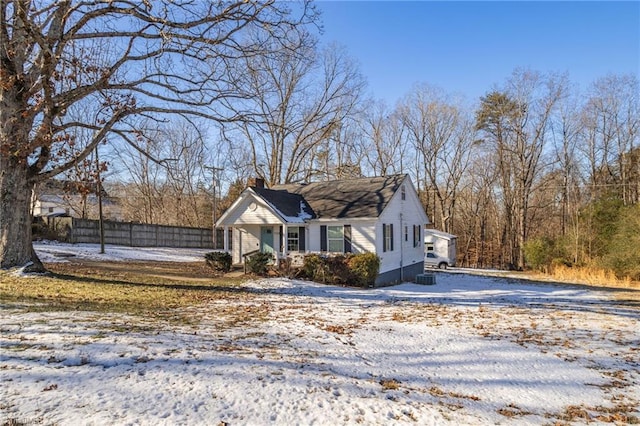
<point>145,288</point>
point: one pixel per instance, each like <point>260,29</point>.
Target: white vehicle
<point>433,260</point>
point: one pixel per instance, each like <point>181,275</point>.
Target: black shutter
<point>414,235</point>
<point>301,241</point>
<point>384,237</point>
<point>347,239</point>
<point>323,238</point>
<point>391,232</point>
<point>283,238</point>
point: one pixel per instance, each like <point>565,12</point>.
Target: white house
<point>443,244</point>
<point>382,215</point>
<point>49,205</point>
<point>67,198</point>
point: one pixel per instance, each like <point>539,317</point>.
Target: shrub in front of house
<point>258,263</point>
<point>354,269</point>
<point>339,268</point>
<point>218,261</point>
<point>364,268</point>
<point>315,268</point>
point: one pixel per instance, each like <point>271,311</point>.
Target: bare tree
<point>478,211</point>
<point>442,134</point>
<point>143,196</point>
<point>119,60</point>
<point>338,157</point>
<point>383,141</point>
<point>516,122</point>
<point>611,120</point>
<point>296,99</point>
<point>186,175</point>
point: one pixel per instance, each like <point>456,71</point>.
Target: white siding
<point>244,214</point>
<point>362,235</point>
<point>401,213</point>
<point>42,208</point>
<point>245,240</point>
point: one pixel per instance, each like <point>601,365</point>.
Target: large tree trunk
<point>16,249</point>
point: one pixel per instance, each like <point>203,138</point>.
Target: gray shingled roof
<point>351,198</point>
<point>289,205</point>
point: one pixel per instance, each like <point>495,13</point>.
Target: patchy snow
<point>301,217</point>
<point>468,350</point>
<point>53,251</point>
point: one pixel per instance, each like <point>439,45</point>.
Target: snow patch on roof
<point>301,217</point>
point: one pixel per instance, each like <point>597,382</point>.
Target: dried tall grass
<point>592,276</point>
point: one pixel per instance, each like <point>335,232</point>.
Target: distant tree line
<point>537,172</point>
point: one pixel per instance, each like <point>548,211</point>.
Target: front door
<point>266,239</point>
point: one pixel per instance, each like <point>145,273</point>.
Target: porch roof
<point>291,207</point>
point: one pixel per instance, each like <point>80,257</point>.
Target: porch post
<point>226,238</point>
<point>284,240</point>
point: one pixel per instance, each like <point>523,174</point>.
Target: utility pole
<point>214,215</point>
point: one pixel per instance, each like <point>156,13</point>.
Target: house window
<point>50,209</point>
<point>335,239</point>
<point>416,235</point>
<point>293,239</point>
<point>403,193</point>
<point>387,236</point>
<point>406,232</point>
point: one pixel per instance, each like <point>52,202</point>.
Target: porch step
<point>426,279</point>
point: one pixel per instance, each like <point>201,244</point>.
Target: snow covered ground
<point>52,251</point>
<point>469,350</point>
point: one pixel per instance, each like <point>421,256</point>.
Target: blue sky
<point>468,47</point>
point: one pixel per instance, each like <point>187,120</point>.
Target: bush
<point>315,268</point>
<point>623,256</point>
<point>339,272</point>
<point>545,253</point>
<point>258,263</point>
<point>218,261</point>
<point>538,253</point>
<point>353,269</point>
<point>364,268</point>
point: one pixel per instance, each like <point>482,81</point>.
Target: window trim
<point>416,235</point>
<point>291,239</point>
<point>335,239</point>
<point>387,237</point>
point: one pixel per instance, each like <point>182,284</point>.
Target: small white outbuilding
<point>442,244</point>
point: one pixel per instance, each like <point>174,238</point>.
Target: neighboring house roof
<point>291,207</point>
<point>440,234</point>
<point>48,198</point>
<point>348,199</point>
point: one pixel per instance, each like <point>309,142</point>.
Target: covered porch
<point>267,221</point>
<point>279,239</point>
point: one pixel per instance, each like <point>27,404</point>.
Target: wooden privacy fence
<point>132,234</point>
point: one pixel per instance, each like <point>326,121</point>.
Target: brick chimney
<point>256,182</point>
